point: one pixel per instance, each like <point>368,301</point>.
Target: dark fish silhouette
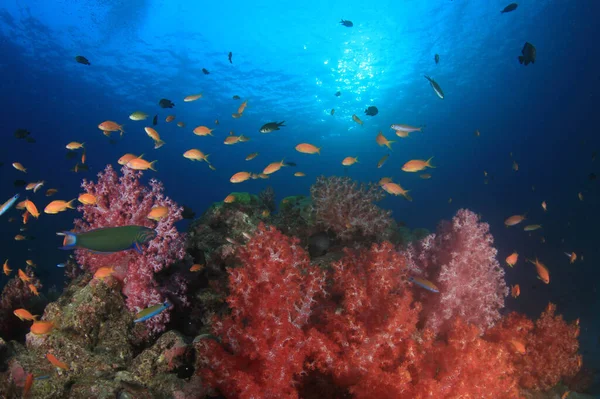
<point>371,111</point>
<point>82,60</point>
<point>236,97</point>
<point>20,183</point>
<point>80,168</point>
<point>338,93</point>
<point>164,103</point>
<point>509,8</point>
<point>528,54</point>
<point>290,164</point>
<point>437,58</point>
<point>155,120</point>
<point>347,24</point>
<point>229,56</point>
<point>332,111</point>
<point>187,213</point>
<point>205,71</point>
<point>271,127</point>
<point>21,133</point>
<point>436,87</point>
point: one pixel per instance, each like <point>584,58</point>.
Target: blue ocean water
<point>288,60</point>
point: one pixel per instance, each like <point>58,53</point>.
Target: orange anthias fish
<point>19,167</point>
<point>74,145</point>
<point>158,212</point>
<point>5,268</point>
<point>196,268</point>
<point>141,164</point>
<point>28,384</point>
<point>299,174</point>
<point>87,199</point>
<point>515,291</point>
<point>50,192</point>
<point>153,134</point>
<point>24,277</point>
<point>108,127</point>
<point>230,140</point>
<point>357,119</point>
<point>519,346</point>
<point>512,259</point>
<point>104,272</point>
<point>240,177</point>
<point>242,107</point>
<point>349,161</point>
<point>542,271</point>
<point>396,189</point>
<point>203,131</point>
<point>382,141</point>
<point>572,257</point>
<point>195,155</point>
<point>35,186</point>
<point>307,148</point>
<point>24,314</point>
<point>544,206</point>
<point>57,206</point>
<point>31,208</point>
<point>126,158</point>
<point>180,124</point>
<point>417,165</point>
<point>229,199</point>
<point>42,327</point>
<point>55,362</point>
<point>514,220</point>
<point>33,289</point>
<point>273,167</point>
<point>251,156</point>
<point>170,118</point>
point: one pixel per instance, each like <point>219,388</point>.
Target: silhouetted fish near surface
<point>371,111</point>
<point>205,71</point>
<point>155,120</point>
<point>271,127</point>
<point>229,57</point>
<point>82,60</point>
<point>22,133</point>
<point>164,103</point>
<point>436,87</point>
<point>509,8</point>
<point>338,93</point>
<point>437,58</point>
<point>236,97</point>
<point>332,111</point>
<point>347,24</point>
<point>529,54</point>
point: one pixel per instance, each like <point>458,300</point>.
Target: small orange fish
<point>31,208</point>
<point>108,127</point>
<point>5,268</point>
<point>229,140</point>
<point>357,119</point>
<point>180,124</point>
<point>417,165</point>
<point>193,97</point>
<point>74,145</point>
<point>24,277</point>
<point>87,199</point>
<point>273,167</point>
<point>349,161</point>
<point>240,177</point>
<point>265,213</point>
<point>195,155</point>
<point>170,118</point>
<point>252,156</point>
<point>542,271</point>
<point>396,189</point>
<point>425,176</point>
<point>385,180</point>
<point>242,107</point>
<point>515,166</point>
<point>20,237</point>
<point>126,158</point>
<point>544,206</point>
<point>35,186</point>
<point>57,206</point>
<point>55,362</point>
<point>565,395</point>
<point>141,164</point>
<point>229,199</point>
<point>572,257</point>
<point>511,260</point>
<point>26,217</point>
<point>518,346</point>
<point>19,167</point>
<point>299,174</point>
<point>158,212</point>
<point>153,134</point>
<point>382,141</point>
<point>50,192</point>
<point>307,148</point>
<point>211,166</point>
<point>196,268</point>
<point>514,220</point>
<point>24,314</point>
<point>104,272</point>
<point>515,291</point>
<point>33,289</point>
<point>28,384</point>
<point>202,131</point>
<point>83,158</point>
<point>42,327</point>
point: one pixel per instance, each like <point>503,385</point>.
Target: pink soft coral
<point>123,201</point>
<point>461,261</point>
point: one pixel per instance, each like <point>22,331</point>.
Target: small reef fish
<point>166,103</point>
<point>87,199</point>
<point>32,209</point>
<point>170,118</point>
<point>346,23</point>
<point>515,166</point>
<point>382,160</point>
<point>396,189</point>
<point>5,268</point>
<point>357,119</point>
<point>57,206</point>
<point>61,265</point>
<point>196,268</point>
<point>229,57</point>
<point>104,272</point>
<point>155,120</point>
<point>24,314</point>
<point>82,60</point>
<point>33,290</point>
<point>28,381</point>
<point>35,186</point>
<point>109,239</point>
<point>8,204</point>
<point>425,176</point>
<point>405,128</point>
<point>242,108</point>
<point>436,87</point>
<point>544,206</point>
<point>307,148</point>
<point>542,271</point>
<point>572,256</point>
<point>126,158</point>
<point>273,167</point>
<point>299,174</point>
<point>180,124</point>
<point>24,277</point>
<point>230,199</point>
<point>349,161</point>
<point>18,166</point>
<point>150,312</point>
<point>271,127</point>
<point>436,58</point>
<point>511,260</point>
<point>195,155</point>
<point>141,164</point>
<point>528,54</point>
<point>158,212</point>
<point>514,220</point>
<point>138,116</point>
<point>108,127</point>
<point>42,327</point>
<point>518,346</point>
<point>515,290</point>
<point>509,8</point>
<point>50,192</point>
<point>202,131</point>
<point>382,141</point>
<point>153,134</point>
<point>532,227</point>
<point>192,97</point>
<point>240,177</point>
<point>251,156</point>
<point>580,196</point>
<point>417,165</point>
<point>421,282</point>
<point>74,145</point>
<point>55,362</point>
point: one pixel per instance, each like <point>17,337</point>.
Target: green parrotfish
<point>108,239</point>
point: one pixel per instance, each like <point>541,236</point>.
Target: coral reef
<point>17,294</point>
<point>121,201</point>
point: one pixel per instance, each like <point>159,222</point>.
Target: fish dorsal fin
<point>141,156</point>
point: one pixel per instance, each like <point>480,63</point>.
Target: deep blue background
<point>288,61</point>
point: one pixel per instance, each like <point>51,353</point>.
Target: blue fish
<point>61,265</point>
<point>8,204</point>
<point>42,377</point>
<point>152,311</point>
<point>421,282</point>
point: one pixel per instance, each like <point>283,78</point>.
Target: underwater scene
<point>318,199</point>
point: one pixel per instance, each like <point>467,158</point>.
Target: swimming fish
<point>405,128</point>
<point>251,156</point>
<point>138,116</point>
<point>514,220</point>
<point>273,167</point>
<point>542,270</point>
<point>509,8</point>
<point>307,148</point>
<point>271,127</point>
<point>196,267</point>
<point>104,272</point>
<point>572,257</point>
<point>383,141</point>
<point>55,362</point>
<point>150,312</point>
<point>5,268</point>
<point>24,314</point>
<point>157,213</point>
<point>532,227</point>
<point>196,155</point>
<point>155,120</point>
<point>202,131</point>
<point>192,97</point>
<point>515,290</point>
<point>19,167</point>
<point>166,103</point>
<point>436,87</point>
<point>349,161</point>
<point>8,204</point>
<point>108,127</point>
<point>41,327</point>
<point>357,119</point>
<point>371,111</point>
<point>436,58</point>
<point>417,165</point>
<point>421,282</point>
<point>382,160</point>
<point>396,189</point>
<point>529,54</point>
<point>229,57</point>
<point>57,206</point>
<point>346,23</point>
<point>82,60</point>
<point>109,239</point>
<point>338,93</point>
<point>511,260</point>
<point>22,133</point>
<point>205,71</point>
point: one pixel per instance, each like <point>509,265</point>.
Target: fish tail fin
<point>319,150</point>
<point>281,123</point>
<point>158,144</point>
<point>389,144</point>
<point>428,163</point>
<point>152,165</point>
<point>121,129</point>
<point>35,317</point>
<point>70,204</point>
<point>70,240</point>
<point>520,59</point>
<point>408,197</point>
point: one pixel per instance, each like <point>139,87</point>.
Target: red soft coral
<point>123,201</point>
<point>461,261</point>
<point>264,343</point>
